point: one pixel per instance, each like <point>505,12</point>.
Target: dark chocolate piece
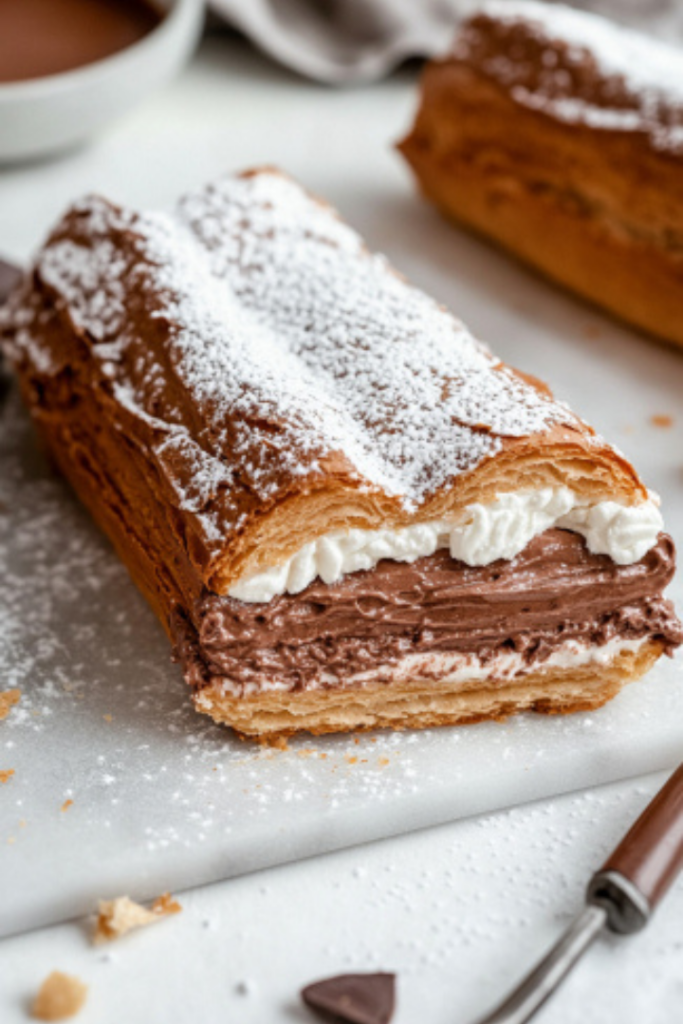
<point>354,998</point>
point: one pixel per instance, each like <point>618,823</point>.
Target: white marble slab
<point>162,798</point>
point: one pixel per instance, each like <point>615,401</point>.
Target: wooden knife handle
<point>634,878</point>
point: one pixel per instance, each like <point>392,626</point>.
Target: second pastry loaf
<point>560,136</point>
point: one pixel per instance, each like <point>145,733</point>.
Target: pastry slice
<point>559,135</point>
<point>346,512</point>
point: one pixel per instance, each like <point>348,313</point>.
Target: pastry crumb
<point>59,997</point>
<point>8,698</point>
<point>662,420</point>
<point>6,775</point>
<point>116,917</point>
<point>66,805</point>
<point>278,743</point>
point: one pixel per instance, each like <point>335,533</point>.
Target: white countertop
<point>458,911</point>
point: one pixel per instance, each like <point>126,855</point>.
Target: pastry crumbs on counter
<point>6,775</point>
<point>108,718</point>
<point>662,420</point>
<point>7,701</point>
<point>116,917</point>
<point>66,805</point>
<point>59,997</point>
<point>383,762</point>
<point>351,760</point>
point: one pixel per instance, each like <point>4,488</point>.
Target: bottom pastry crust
<point>275,716</point>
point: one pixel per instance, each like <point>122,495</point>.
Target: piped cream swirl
<point>481,535</point>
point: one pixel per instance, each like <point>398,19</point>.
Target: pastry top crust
<point>281,382</point>
<point>579,68</point>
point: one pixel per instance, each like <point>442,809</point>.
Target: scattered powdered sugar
<point>290,343</point>
<point>643,87</point>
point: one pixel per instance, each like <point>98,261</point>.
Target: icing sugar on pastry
<point>293,344</point>
<point>591,70</point>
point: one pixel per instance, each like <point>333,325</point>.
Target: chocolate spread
<point>554,591</point>
<point>45,37</point>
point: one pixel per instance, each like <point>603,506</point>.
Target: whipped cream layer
<point>481,535</point>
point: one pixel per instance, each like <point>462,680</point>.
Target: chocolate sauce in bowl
<point>46,37</point>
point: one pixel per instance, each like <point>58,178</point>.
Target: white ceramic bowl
<point>45,115</point>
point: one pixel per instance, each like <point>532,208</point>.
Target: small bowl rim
<point>31,88</point>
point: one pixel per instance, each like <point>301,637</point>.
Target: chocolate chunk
<point>353,998</point>
<point>10,274</point>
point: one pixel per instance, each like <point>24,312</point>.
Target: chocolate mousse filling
<point>553,592</point>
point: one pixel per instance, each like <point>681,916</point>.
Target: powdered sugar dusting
<point>290,344</point>
<point>643,78</point>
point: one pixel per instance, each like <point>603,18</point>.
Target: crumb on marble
<point>117,917</point>
<point>662,420</point>
<point>66,805</point>
<point>6,775</point>
<point>59,997</point>
<point>7,701</point>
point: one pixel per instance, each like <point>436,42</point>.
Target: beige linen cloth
<point>345,41</point>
